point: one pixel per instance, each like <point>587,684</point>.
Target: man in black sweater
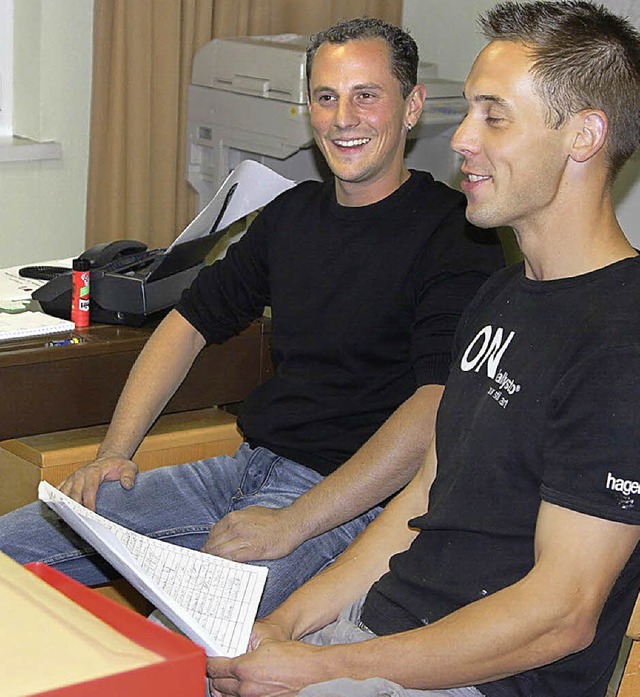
<point>366,276</point>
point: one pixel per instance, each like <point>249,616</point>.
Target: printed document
<point>211,600</point>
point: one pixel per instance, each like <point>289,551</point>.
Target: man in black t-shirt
<point>519,567</point>
<point>366,276</point>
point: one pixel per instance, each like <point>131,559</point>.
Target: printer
<point>248,100</point>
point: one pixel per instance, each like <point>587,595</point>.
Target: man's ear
<point>414,105</point>
<point>590,128</point>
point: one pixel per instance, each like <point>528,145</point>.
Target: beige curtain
<point>143,50</point>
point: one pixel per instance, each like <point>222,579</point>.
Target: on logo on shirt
<point>488,346</point>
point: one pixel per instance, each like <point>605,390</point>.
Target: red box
<point>181,673</point>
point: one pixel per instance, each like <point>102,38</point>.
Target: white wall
<point>446,34</point>
<point>42,204</point>
<point>6,65</point>
<point>627,188</point>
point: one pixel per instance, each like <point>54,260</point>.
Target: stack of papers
<point>26,324</point>
<point>211,600</point>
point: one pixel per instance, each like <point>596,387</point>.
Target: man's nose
<point>464,140</point>
<point>346,114</point>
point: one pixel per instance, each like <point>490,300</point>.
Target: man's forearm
<point>485,641</point>
<point>319,601</point>
<point>157,373</point>
<point>380,468</point>
<point>551,613</point>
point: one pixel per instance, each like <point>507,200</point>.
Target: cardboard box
<point>177,666</point>
<point>174,439</point>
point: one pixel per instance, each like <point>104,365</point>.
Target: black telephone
<point>118,255</point>
<point>129,283</point>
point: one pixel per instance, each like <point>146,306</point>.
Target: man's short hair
<point>584,56</point>
<point>402,48</point>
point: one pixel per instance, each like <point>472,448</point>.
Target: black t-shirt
<point>364,302</point>
<point>540,405</point>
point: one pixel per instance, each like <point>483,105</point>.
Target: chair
<point>629,685</point>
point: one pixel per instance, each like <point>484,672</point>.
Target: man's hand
<point>82,485</point>
<point>279,668</point>
<point>253,534</point>
<point>265,629</point>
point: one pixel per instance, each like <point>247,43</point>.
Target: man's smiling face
<point>513,161</point>
<point>358,116</point>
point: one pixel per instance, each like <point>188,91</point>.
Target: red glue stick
<point>80,293</point>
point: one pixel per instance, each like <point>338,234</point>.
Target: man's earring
<point>409,127</point>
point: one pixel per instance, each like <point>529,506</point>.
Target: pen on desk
<point>66,342</point>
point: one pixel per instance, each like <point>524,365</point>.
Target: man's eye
<point>494,119</point>
<point>326,98</point>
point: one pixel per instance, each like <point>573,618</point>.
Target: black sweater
<point>365,301</point>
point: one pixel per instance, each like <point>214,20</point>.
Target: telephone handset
<point>106,252</point>
<point>118,255</point>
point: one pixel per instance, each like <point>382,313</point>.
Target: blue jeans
<point>180,504</point>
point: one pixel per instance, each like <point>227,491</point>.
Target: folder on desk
<point>62,639</point>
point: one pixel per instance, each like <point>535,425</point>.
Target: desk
<point>48,389</point>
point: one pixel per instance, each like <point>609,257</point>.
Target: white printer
<point>247,100</point>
